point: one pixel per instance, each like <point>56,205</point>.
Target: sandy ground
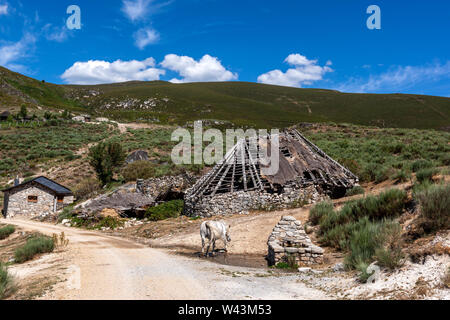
<point>99,266</point>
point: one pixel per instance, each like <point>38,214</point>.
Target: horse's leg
<point>203,245</point>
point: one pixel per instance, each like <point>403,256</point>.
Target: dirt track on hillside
<point>116,268</point>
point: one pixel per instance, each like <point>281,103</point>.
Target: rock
<point>65,221</point>
<point>338,267</point>
<point>288,218</point>
<point>304,270</point>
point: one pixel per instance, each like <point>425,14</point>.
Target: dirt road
<point>117,268</point>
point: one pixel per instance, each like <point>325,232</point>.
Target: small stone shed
<point>237,184</point>
<point>35,197</point>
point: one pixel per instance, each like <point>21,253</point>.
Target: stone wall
<point>289,243</point>
<point>17,201</point>
<point>241,202</point>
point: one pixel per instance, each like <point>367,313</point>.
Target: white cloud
<point>206,69</point>
<point>53,33</point>
<point>97,71</point>
<point>398,78</point>
<point>305,71</point>
<point>136,9</point>
<point>144,37</point>
<point>4,9</point>
<point>10,53</point>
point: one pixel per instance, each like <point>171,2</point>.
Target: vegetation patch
<point>434,203</point>
<point>7,286</point>
<point>170,209</point>
<point>6,231</point>
<point>365,229</point>
<point>33,246</point>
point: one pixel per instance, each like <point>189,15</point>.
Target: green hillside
<point>244,104</point>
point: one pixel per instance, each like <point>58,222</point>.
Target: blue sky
<point>320,44</point>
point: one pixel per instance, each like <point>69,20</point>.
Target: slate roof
<point>46,182</point>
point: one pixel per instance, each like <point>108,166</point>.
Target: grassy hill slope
<point>245,104</point>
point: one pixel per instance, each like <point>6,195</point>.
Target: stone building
<point>289,243</point>
<point>35,197</point>
<point>238,183</point>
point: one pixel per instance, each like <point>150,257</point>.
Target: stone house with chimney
<point>35,197</point>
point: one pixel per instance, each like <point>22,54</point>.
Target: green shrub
<point>402,176</point>
<point>426,174</point>
<point>110,223</point>
<point>67,213</point>
<point>390,254</point>
<point>354,191</point>
<point>5,232</point>
<point>421,164</point>
<point>388,204</point>
<point>363,244</point>
<point>34,246</point>
<point>171,209</point>
<point>138,170</point>
<point>319,210</point>
<point>434,203</point>
<point>6,282</point>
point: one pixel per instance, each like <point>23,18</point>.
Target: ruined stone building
<point>238,184</point>
<point>35,197</point>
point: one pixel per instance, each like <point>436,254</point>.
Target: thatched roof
<point>299,160</point>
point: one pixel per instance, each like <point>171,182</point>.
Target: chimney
<point>16,181</point>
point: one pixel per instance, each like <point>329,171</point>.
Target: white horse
<point>212,231</point>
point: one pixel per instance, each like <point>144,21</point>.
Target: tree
<point>106,157</point>
<point>23,112</point>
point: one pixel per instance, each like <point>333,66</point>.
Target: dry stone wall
<point>241,202</point>
<point>289,243</point>
<point>18,201</point>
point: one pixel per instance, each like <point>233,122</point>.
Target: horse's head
<point>228,233</point>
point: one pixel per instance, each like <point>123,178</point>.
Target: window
<point>60,199</point>
<point>33,199</point>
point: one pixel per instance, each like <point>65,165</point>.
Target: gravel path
<point>117,268</point>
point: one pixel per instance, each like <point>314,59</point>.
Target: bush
<point>86,188</point>
<point>354,191</point>
<point>171,209</point>
<point>138,170</point>
<point>5,232</point>
<point>402,176</point>
<point>109,223</point>
<point>34,246</point>
<point>421,164</point>
<point>426,174</point>
<point>434,203</point>
<point>363,243</point>
<point>67,213</point>
<point>388,204</point>
<point>6,282</point>
<point>390,255</point>
<point>319,210</point>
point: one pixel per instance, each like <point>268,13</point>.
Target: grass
<point>6,231</point>
<point>355,191</point>
<point>7,286</point>
<point>434,201</point>
<point>35,245</point>
<point>170,209</point>
<point>21,149</point>
<point>376,155</point>
<point>364,229</point>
